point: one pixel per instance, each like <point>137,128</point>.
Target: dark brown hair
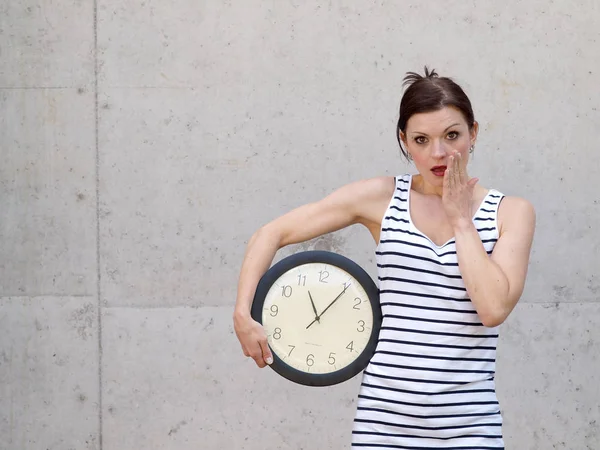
<point>430,93</point>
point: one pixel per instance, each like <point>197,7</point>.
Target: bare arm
<point>354,203</point>
<point>496,283</point>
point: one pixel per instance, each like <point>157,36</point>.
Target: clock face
<point>322,317</point>
<point>318,318</point>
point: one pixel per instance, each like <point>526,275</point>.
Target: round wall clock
<point>322,317</point>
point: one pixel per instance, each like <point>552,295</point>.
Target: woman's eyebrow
<point>425,134</point>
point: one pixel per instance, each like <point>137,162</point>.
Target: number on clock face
<point>326,340</point>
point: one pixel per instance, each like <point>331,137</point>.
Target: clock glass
<point>318,318</point>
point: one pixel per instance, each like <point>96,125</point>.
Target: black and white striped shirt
<point>430,384</point>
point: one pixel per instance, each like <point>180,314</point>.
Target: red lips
<point>438,170</point>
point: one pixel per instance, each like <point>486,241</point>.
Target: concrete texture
<point>141,144</point>
<point>174,379</point>
<point>49,373</point>
<point>48,183</point>
<point>47,44</point>
<point>548,380</point>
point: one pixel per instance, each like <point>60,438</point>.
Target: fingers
<point>472,182</point>
<point>254,342</point>
<point>257,355</point>
<point>464,177</point>
<point>455,169</point>
<point>266,352</point>
<point>460,169</point>
<point>456,173</point>
<point>447,175</point>
<point>452,172</point>
<point>260,353</point>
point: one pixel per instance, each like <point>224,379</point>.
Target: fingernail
<point>269,360</point>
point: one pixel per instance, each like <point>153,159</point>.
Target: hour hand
<point>317,318</point>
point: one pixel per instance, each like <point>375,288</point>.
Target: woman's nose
<point>439,149</point>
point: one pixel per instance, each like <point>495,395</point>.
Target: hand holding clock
<point>254,340</point>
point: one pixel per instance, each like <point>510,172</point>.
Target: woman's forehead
<point>435,121</point>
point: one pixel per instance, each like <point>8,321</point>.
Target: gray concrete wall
<point>143,142</point>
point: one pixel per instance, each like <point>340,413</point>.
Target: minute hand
<point>329,306</point>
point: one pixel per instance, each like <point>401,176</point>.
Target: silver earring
<point>472,149</point>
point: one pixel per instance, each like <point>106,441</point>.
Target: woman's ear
<point>474,132</point>
<point>403,138</point>
<point>405,146</point>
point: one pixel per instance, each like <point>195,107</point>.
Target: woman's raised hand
<point>457,196</point>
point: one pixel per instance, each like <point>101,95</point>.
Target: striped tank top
<point>430,383</point>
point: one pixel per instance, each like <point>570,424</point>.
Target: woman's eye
<point>453,135</point>
<point>420,140</point>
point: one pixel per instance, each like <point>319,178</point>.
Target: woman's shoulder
<point>512,204</point>
<point>379,187</point>
<point>369,199</point>
<point>509,204</point>
<point>516,212</point>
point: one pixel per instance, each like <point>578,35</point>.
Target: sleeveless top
<point>430,383</point>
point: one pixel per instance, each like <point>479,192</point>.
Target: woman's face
<point>431,138</point>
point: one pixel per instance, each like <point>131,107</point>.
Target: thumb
<point>266,351</point>
<point>472,182</point>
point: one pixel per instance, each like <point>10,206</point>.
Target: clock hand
<point>317,317</point>
<point>329,306</point>
<point>334,300</point>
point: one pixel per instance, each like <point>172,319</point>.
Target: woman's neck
<point>422,187</point>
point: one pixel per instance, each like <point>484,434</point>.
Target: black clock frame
<point>367,283</point>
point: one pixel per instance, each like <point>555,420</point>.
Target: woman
<point>452,259</point>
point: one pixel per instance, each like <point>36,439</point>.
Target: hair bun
<point>412,77</point>
<point>432,74</point>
